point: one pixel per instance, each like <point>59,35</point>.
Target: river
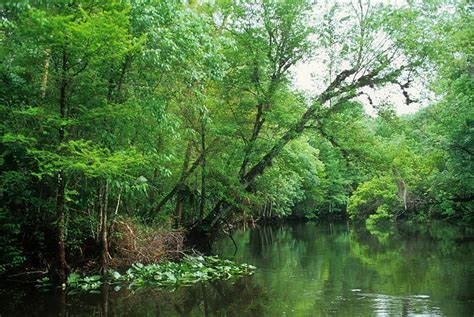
<point>303,269</point>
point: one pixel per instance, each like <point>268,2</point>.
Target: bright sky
<point>304,72</point>
<point>303,80</point>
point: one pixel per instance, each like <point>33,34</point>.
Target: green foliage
<point>167,111</point>
<point>11,255</point>
<point>383,214</point>
<point>77,283</point>
<point>291,178</point>
<point>43,283</point>
<point>375,199</point>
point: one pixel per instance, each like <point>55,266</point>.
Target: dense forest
<point>184,116</point>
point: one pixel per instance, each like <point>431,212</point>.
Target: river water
<point>304,269</point>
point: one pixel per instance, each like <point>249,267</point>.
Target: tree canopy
<point>185,114</point>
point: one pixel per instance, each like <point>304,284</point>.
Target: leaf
<point>116,275</point>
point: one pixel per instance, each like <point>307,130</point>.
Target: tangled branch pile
<point>132,243</point>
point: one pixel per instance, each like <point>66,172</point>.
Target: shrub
<point>377,198</point>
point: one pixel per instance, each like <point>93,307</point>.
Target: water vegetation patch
<point>188,271</point>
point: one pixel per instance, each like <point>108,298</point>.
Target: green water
<point>303,270</point>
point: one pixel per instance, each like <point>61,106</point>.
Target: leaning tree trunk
<point>335,89</point>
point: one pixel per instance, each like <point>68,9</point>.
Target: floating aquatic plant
<point>189,271</point>
<point>168,274</point>
<point>78,283</point>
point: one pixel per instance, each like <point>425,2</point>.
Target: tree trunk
<point>257,126</point>
<point>335,89</point>
<point>202,205</point>
<point>181,197</point>
<point>62,267</point>
<point>299,126</point>
<point>125,67</point>
<point>176,187</point>
<point>110,85</point>
<point>44,76</point>
<point>104,245</point>
<point>62,304</point>
<point>402,188</point>
<point>262,109</point>
<point>221,207</point>
<point>259,168</point>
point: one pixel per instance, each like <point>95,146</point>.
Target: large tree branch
<point>335,88</point>
<point>295,131</point>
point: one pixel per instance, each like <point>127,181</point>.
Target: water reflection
<point>341,270</point>
<point>303,270</point>
<point>215,299</point>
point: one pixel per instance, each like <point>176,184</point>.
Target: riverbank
<point>129,242</point>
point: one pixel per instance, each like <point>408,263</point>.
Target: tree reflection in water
<point>302,270</point>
